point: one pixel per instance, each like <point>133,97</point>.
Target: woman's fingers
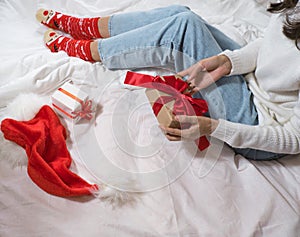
<point>171,131</point>
<point>186,119</point>
<point>207,71</point>
<point>174,134</point>
<point>184,72</point>
<point>173,138</point>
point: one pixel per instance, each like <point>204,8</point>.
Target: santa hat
<point>48,161</point>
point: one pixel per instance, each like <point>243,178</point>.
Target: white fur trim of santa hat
<point>23,107</point>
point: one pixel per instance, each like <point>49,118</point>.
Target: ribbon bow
<point>177,90</point>
<point>86,110</point>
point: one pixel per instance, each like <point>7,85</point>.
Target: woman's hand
<point>198,126</point>
<point>207,71</point>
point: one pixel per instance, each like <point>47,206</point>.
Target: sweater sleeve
<point>276,138</point>
<point>243,60</point>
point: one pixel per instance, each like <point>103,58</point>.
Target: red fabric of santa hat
<point>49,160</point>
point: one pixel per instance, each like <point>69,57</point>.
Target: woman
<point>259,119</point>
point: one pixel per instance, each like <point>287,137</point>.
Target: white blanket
<point>185,192</point>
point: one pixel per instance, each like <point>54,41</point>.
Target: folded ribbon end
<point>86,110</point>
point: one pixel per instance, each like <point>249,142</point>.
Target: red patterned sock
<point>75,48</point>
<point>78,28</point>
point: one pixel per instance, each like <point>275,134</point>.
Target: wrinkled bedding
<point>182,191</point>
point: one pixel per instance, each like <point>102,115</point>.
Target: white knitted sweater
<point>275,85</point>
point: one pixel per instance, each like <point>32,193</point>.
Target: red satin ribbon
<point>86,110</point>
<point>184,103</point>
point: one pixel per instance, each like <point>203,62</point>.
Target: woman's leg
<point>124,22</point>
<point>183,37</point>
<point>104,27</point>
<point>98,27</point>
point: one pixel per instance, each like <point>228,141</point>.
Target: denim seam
<point>130,50</point>
<point>110,25</point>
<point>99,50</point>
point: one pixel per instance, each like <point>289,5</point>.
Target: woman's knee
<point>175,9</point>
<point>189,16</point>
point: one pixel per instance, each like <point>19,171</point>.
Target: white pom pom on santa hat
<point>115,197</point>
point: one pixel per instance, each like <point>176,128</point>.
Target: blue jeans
<point>175,38</point>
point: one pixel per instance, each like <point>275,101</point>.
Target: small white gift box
<point>72,103</point>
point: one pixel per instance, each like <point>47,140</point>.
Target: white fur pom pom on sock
<point>23,107</point>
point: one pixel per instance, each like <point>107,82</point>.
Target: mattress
<point>174,189</point>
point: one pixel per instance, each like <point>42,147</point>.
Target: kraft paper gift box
<point>169,96</point>
<point>165,115</point>
<point>72,103</point>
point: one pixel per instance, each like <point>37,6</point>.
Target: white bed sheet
<point>215,193</point>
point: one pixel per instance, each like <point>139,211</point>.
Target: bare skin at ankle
<point>95,52</point>
<point>103,26</point>
<point>104,32</point>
